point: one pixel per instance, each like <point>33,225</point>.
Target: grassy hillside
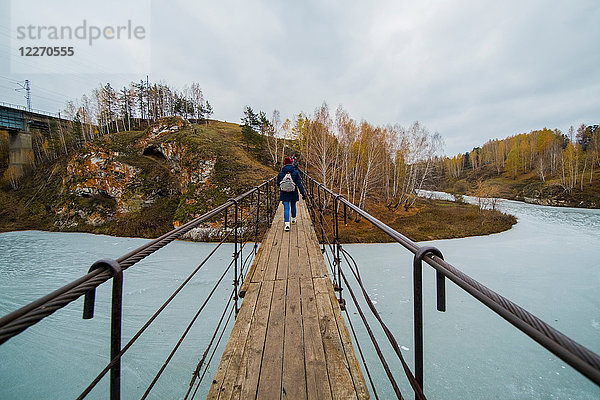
<point>138,183</point>
<point>428,220</point>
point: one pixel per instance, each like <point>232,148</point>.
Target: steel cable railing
<point>19,320</point>
<point>337,271</point>
<point>196,373</point>
<point>574,354</point>
<point>232,296</point>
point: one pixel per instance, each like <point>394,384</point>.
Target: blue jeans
<point>286,210</point>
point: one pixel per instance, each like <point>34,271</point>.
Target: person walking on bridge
<point>289,183</point>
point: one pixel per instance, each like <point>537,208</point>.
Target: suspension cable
<point>362,357</point>
<point>392,340</point>
<point>196,373</point>
<point>150,320</point>
<point>21,319</point>
<point>577,356</point>
<point>213,353</point>
<point>240,223</point>
<point>187,329</point>
<point>374,341</point>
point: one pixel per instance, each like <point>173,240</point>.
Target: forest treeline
<point>114,109</point>
<point>362,161</point>
<point>570,158</point>
<point>107,109</point>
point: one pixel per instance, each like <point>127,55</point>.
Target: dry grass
<point>428,220</point>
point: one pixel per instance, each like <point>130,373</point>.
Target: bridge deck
<point>289,340</point>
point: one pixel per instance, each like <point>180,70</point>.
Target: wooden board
<point>284,254</point>
<point>293,385</point>
<point>249,372</point>
<point>235,345</point>
<point>338,369</point>
<point>269,385</point>
<point>317,379</point>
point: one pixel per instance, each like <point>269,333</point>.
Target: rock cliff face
<point>99,172</point>
<point>183,162</point>
<point>144,183</point>
<point>137,183</point>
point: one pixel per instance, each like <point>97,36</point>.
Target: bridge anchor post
<point>418,304</point>
<point>115,322</point>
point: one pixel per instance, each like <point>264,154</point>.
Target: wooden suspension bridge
<point>289,340</point>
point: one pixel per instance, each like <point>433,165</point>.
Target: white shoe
<point>286,227</point>
<point>293,220</point>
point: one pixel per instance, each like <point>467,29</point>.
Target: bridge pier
<point>20,124</point>
<point>20,153</point>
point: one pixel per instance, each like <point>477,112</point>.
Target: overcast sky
<point>470,70</point>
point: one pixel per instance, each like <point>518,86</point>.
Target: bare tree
<point>322,144</point>
<point>272,133</point>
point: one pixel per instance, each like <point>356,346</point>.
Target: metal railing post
<point>268,205</point>
<point>115,321</point>
<point>338,247</point>
<point>321,211</point>
<point>241,237</point>
<point>235,257</point>
<point>257,220</point>
<point>418,306</point>
<point>345,214</point>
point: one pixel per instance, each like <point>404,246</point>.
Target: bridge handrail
<point>17,321</point>
<point>577,356</point>
<point>32,111</point>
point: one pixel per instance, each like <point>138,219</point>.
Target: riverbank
<point>526,187</point>
<point>429,219</point>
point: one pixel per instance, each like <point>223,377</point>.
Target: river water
<point>548,263</point>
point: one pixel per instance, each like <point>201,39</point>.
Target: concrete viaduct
<point>19,123</point>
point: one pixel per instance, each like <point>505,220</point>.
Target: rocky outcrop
<point>553,195</point>
<point>99,173</point>
<point>102,184</point>
<point>137,183</point>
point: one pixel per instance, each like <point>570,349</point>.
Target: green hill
<point>137,183</point>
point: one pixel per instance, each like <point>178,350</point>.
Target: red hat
<point>287,161</point>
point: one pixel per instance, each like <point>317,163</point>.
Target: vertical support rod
<point>272,207</point>
<point>268,205</point>
<point>336,279</point>
<point>115,335</point>
<point>235,255</point>
<point>321,211</point>
<point>257,220</point>
<point>441,290</point>
<point>418,308</point>
<point>345,214</point>
<point>241,237</point>
<point>418,320</point>
<point>338,247</point>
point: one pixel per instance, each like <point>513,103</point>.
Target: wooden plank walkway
<point>289,340</point>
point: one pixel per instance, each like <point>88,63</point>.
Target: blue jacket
<point>290,196</point>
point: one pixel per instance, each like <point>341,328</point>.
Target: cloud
<point>471,70</point>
